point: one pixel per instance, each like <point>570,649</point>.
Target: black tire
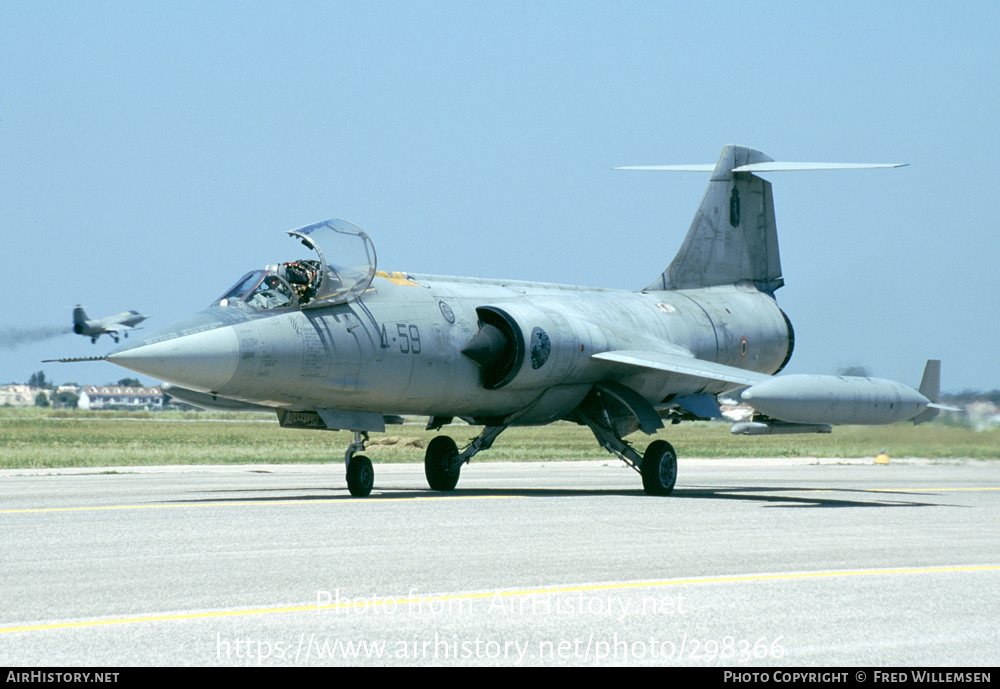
<point>360,476</point>
<point>441,451</point>
<point>659,468</point>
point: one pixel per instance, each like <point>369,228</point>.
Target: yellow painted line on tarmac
<point>899,490</point>
<point>210,503</point>
<point>430,601</point>
<point>926,490</point>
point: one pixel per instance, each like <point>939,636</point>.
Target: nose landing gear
<point>360,473</point>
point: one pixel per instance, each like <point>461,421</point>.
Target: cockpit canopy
<point>344,270</point>
<point>354,255</point>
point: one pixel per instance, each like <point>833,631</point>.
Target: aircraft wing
<point>117,328</point>
<point>685,365</point>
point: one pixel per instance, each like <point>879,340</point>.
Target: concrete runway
<point>779,562</point>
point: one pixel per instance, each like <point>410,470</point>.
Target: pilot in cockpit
<point>272,293</point>
<point>302,276</point>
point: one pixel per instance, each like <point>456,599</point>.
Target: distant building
<point>18,395</point>
<point>119,397</point>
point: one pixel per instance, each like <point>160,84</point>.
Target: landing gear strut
<point>443,462</point>
<point>657,466</point>
<point>360,474</point>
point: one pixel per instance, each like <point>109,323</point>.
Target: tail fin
<point>733,237</point>
<point>930,387</point>
<point>79,316</point>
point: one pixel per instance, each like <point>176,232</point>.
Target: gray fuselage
<point>396,349</point>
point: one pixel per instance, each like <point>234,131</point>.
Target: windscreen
<point>242,286</point>
<point>260,290</point>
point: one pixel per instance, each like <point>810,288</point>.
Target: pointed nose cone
<point>203,361</point>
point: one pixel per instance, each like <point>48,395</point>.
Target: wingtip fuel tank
<point>838,400</point>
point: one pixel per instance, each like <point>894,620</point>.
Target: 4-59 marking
<point>408,337</point>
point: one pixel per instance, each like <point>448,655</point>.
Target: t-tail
<point>733,238</point>
<point>930,387</point>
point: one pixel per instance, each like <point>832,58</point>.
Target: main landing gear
<point>657,465</point>
<point>659,468</point>
<point>440,465</point>
<point>443,462</point>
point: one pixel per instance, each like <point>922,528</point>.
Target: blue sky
<point>151,153</point>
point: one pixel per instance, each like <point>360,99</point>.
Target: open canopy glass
<point>344,269</point>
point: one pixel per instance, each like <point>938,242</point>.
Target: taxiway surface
<point>750,562</point>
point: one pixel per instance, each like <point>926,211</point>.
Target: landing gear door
<point>346,257</point>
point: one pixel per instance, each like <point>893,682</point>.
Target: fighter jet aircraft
<point>331,343</point>
<point>110,325</point>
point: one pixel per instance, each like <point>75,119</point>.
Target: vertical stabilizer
<point>733,237</point>
<point>930,387</point>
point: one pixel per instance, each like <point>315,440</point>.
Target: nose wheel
<point>360,473</point>
<point>360,476</point>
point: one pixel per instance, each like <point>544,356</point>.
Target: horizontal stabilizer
<point>670,168</point>
<point>944,407</point>
<point>685,365</point>
<point>808,167</point>
<point>765,167</point>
